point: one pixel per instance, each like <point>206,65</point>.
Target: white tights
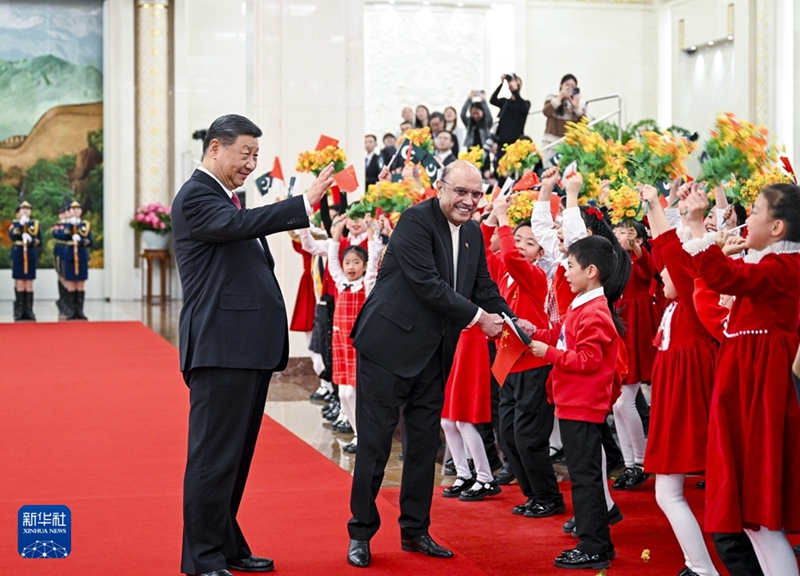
<point>775,554</point>
<point>669,496</point>
<point>629,426</point>
<point>462,435</point>
<point>347,396</point>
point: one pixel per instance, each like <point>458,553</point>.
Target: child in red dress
<point>584,352</point>
<point>753,472</point>
<point>683,374</point>
<point>637,310</point>
<point>354,278</point>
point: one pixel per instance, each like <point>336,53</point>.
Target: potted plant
<point>154,221</point>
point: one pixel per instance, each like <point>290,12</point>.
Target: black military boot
<point>29,315</point>
<point>80,294</point>
<point>18,313</point>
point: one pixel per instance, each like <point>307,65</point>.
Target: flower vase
<point>155,240</point>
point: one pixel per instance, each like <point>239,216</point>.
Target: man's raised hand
<point>320,185</point>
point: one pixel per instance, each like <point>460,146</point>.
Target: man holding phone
<point>559,109</point>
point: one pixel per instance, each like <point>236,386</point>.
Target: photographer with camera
<point>512,116</point>
<point>559,109</point>
<point>477,120</point>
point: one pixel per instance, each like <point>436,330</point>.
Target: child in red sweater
<point>583,352</point>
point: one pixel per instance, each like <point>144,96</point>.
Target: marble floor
<point>288,401</point>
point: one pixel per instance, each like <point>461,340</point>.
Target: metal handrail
<point>618,112</point>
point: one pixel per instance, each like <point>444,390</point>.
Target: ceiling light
<point>710,42</point>
<point>730,37</point>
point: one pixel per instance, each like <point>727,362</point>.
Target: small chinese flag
<point>325,141</point>
<point>495,193</point>
<point>788,167</point>
<point>527,182</point>
<point>276,173</point>
<point>346,179</point>
<point>509,349</point>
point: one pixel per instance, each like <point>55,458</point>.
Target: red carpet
<point>93,416</point>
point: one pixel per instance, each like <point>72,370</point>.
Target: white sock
<point>347,396</point>
<point>629,426</point>
<point>457,449</point>
<point>775,554</point>
<point>316,361</point>
<point>555,436</point>
<point>669,496</point>
<point>474,443</point>
<point>606,491</point>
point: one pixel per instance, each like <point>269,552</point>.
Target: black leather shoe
<point>252,564</point>
<point>426,545</point>
<point>216,573</point>
<point>479,491</point>
<point>350,448</point>
<point>458,486</point>
<point>577,559</point>
<point>520,509</point>
<point>569,526</point>
<point>449,468</point>
<point>545,509</point>
<point>797,550</point>
<point>688,572</point>
<point>506,475</point>
<point>556,454</point>
<point>358,554</point>
<point>635,477</point>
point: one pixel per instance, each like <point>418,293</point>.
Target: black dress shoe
<point>631,478</point>
<point>350,448</point>
<point>556,454</point>
<point>688,572</point>
<point>252,564</point>
<point>797,550</point>
<point>479,491</point>
<point>426,545</point>
<point>569,526</point>
<point>506,475</point>
<point>458,486</point>
<point>215,573</point>
<point>358,554</point>
<point>577,559</point>
<point>545,509</point>
<point>520,509</point>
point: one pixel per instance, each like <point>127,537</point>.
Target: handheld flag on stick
<point>264,183</point>
<point>325,141</point>
<point>346,179</point>
<point>528,182</point>
<point>513,343</point>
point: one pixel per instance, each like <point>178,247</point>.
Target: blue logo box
<point>45,531</point>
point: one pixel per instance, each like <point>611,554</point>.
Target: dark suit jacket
<point>413,308</point>
<point>233,313</point>
<point>373,169</point>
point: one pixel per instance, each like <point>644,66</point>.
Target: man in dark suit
<point>432,283</point>
<point>233,336</point>
<point>373,161</point>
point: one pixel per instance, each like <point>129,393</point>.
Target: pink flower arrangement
<point>155,217</point>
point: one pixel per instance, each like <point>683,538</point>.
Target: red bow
<point>595,212</point>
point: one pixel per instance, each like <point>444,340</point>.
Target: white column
<point>152,101</point>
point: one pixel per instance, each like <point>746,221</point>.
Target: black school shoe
<point>545,509</point>
<point>630,478</point>
<point>520,509</point>
<point>614,516</point>
<point>479,491</point>
<point>574,559</point>
<point>506,475</point>
<point>458,487</point>
<point>450,467</point>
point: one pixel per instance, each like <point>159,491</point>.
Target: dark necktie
<point>236,201</point>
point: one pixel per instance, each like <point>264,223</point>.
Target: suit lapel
<point>443,229</point>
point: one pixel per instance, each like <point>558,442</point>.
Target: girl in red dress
<point>682,378</point>
<point>752,470</point>
<point>354,277</point>
<point>638,313</point>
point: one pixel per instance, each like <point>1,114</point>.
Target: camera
<point>576,91</point>
<point>509,77</point>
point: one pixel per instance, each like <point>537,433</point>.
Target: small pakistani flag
<point>264,183</point>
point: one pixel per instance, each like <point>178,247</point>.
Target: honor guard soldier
<point>58,249</point>
<point>75,236</point>
<point>26,237</point>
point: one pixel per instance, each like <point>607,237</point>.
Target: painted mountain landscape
<point>51,115</point>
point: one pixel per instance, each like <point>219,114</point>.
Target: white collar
<point>443,156</point>
<point>582,299</point>
<point>207,171</point>
<point>453,228</point>
<point>780,247</point>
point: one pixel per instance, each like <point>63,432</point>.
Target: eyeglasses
<point>464,192</point>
